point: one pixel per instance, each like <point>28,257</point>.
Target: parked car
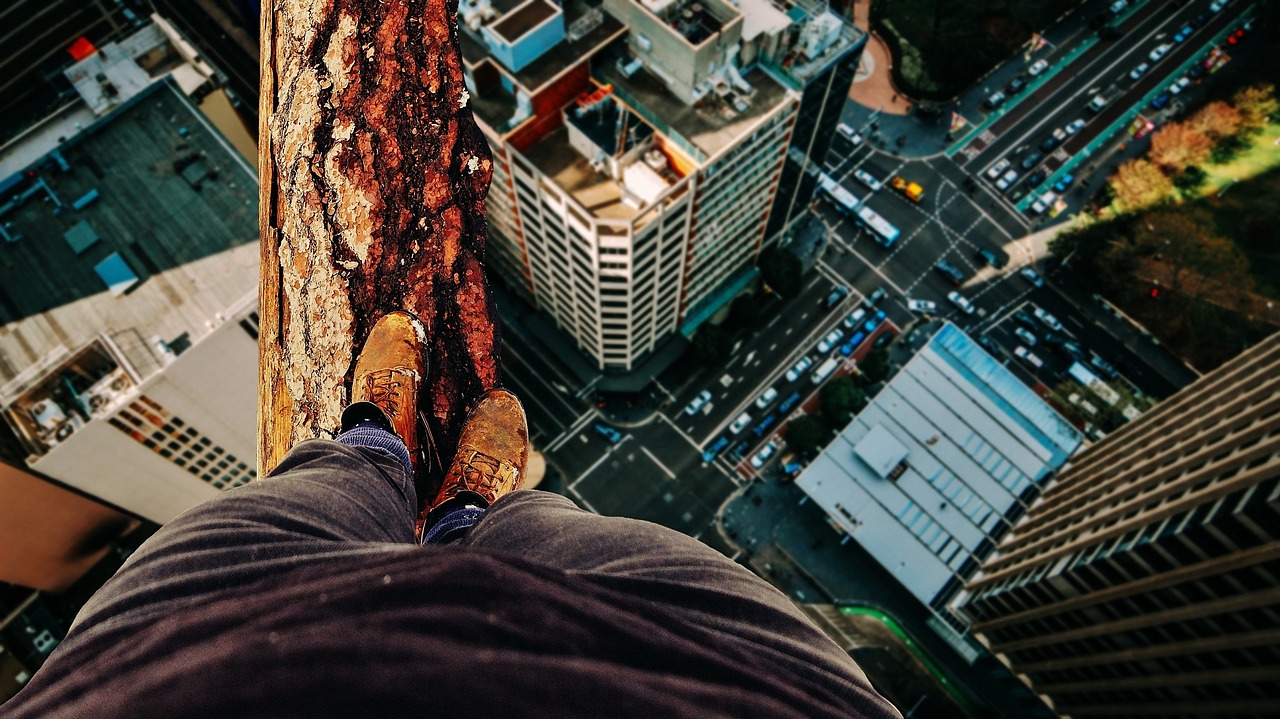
<point>1035,178</point>
<point>1025,355</point>
<point>1053,140</point>
<point>847,348</point>
<point>1096,103</point>
<point>1032,160</point>
<point>1161,101</point>
<point>1183,34</point>
<point>766,398</point>
<point>924,307</point>
<point>995,100</point>
<point>740,423</point>
<point>990,258</point>
<point>1159,52</point>
<point>1074,127</point>
<point>853,319</point>
<point>831,340</point>
<point>609,433</point>
<point>1027,337</point>
<point>1025,319</point>
<point>1179,85</point>
<point>949,271</point>
<point>1063,183</point>
<point>1119,6</point>
<point>994,171</point>
<point>1106,368</point>
<point>739,451</point>
<point>1043,203</point>
<point>1217,5</point>
<point>1030,275</point>
<point>875,297</point>
<point>961,302</point>
<point>698,402</point>
<point>1139,71</point>
<point>1007,181</point>
<point>1015,85</point>
<point>836,296</point>
<point>849,134</point>
<point>1038,67</point>
<point>865,178</point>
<point>1049,320</point>
<point>799,368</point>
<point>764,425</point>
<point>789,403</point>
<point>883,340</point>
<point>767,451</point>
<point>714,449</point>
<point>824,370</point>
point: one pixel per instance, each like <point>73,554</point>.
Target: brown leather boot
<point>492,450</point>
<point>389,371</point>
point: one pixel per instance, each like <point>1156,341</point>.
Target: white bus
<point>885,233</point>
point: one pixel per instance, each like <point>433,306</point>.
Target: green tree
<point>807,434</point>
<point>1138,184</point>
<point>875,366</point>
<point>712,345</point>
<point>1228,149</point>
<point>841,400</point>
<point>743,313</point>
<point>1256,104</point>
<point>782,271</point>
<point>1190,180</point>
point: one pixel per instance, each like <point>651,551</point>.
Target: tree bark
<point>373,176</point>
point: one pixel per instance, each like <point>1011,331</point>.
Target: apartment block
<point>638,147</point>
<point>1145,581</point>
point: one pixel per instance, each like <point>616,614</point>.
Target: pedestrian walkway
<point>873,84</point>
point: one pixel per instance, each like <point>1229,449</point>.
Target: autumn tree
<point>1216,121</point>
<point>1256,104</point>
<point>1177,146</point>
<point>1138,184</point>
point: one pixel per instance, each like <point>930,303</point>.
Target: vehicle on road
<point>836,296</point>
<point>714,449</point>
<point>866,178</point>
<point>1015,85</point>
<point>1198,21</point>
<point>874,297</point>
<point>911,190</point>
<point>1179,85</point>
<point>1096,103</point>
<point>1119,6</point>
<point>1007,181</point>
<point>961,302</point>
<point>994,171</point>
<point>849,134</point>
<point>847,348</point>
<point>856,317</point>
<point>799,368</point>
<point>1161,101</point>
<point>1110,32</point>
<point>759,458</point>
<point>1183,34</point>
<point>884,233</point>
<point>1053,140</point>
<point>1217,5</point>
<point>990,258</point>
<point>1139,71</point>
<point>831,340</point>
<point>698,402</point>
<point>1074,127</point>
<point>1038,67</point>
<point>1159,52</point>
<point>883,340</point>
<point>1236,37</point>
<point>1026,319</point>
<point>740,423</point>
<point>924,307</point>
<point>1064,183</point>
<point>1035,178</point>
<point>1043,203</point>
<point>1032,160</point>
<point>789,403</point>
<point>1025,355</point>
<point>1030,275</point>
<point>949,271</point>
<point>609,433</point>
<point>995,100</point>
<point>1049,320</point>
<point>766,398</point>
<point>764,425</point>
<point>1103,366</point>
<point>824,370</point>
<point>1069,350</point>
<point>739,451</point>
<point>1022,334</point>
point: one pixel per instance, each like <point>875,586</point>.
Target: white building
<point>932,473</point>
<point>128,348</point>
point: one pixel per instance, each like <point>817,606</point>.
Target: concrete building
<point>128,245</point>
<point>933,472</point>
<point>1145,581</point>
<point>638,146</point>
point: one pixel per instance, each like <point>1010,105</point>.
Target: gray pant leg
<point>325,500</point>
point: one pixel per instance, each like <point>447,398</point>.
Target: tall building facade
<point>1146,580</point>
<point>638,146</point>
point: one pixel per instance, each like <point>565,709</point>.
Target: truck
<point>912,190</point>
<point>824,370</point>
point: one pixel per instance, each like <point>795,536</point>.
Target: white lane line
<point>680,432</point>
<point>554,393</point>
<point>577,425</point>
<point>658,462</point>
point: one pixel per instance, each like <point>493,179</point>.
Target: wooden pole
<point>373,177</point>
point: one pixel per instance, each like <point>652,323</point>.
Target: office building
<point>128,240</point>
<point>1145,581</point>
<point>638,146</point>
<point>933,472</point>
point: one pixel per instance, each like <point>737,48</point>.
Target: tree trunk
<point>373,177</point>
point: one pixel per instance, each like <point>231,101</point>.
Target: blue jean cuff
<point>368,434</point>
<point>453,525</point>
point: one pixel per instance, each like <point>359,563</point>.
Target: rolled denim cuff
<point>369,434</point>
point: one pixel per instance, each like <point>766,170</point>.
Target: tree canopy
<point>807,434</point>
<point>841,399</point>
<point>712,345</point>
<point>782,271</point>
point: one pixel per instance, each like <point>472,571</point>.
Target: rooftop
<point>938,461</point>
<point>142,225</point>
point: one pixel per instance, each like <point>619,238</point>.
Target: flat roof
<point>975,441</point>
<point>595,191</point>
<point>526,17</point>
<point>173,201</point>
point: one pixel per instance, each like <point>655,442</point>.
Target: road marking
<point>680,432</point>
<point>573,429</point>
<point>583,501</point>
<point>658,462</point>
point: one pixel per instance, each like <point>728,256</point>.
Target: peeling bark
<point>373,181</point>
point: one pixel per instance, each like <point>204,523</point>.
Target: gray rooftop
<point>958,443</point>
<point>176,203</point>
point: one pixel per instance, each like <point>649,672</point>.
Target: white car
<point>1043,203</point>
<point>698,402</point>
<point>1049,320</point>
<point>799,368</point>
<point>1030,275</point>
<point>764,454</point>
<point>1037,67</point>
<point>765,399</point>
<point>853,319</point>
<point>831,340</point>
<point>962,302</point>
<point>1025,355</point>
<point>1217,5</point>
<point>1026,336</point>
<point>865,178</point>
<point>740,423</point>
<point>1179,85</point>
<point>1159,52</point>
<point>924,307</point>
<point>849,134</point>
<point>994,171</point>
<point>1074,127</point>
<point>1009,178</point>
<point>1139,71</point>
<point>1118,6</point>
